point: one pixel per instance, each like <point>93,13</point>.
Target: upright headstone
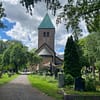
<point>60,80</point>
<point>79,84</point>
<point>56,73</point>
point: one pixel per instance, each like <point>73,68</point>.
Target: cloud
<point>26,27</point>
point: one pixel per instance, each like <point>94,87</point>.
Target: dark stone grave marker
<point>79,84</point>
<point>60,80</point>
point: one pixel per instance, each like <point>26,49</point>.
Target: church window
<point>44,34</point>
<point>47,34</point>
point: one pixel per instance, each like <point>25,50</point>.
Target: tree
<point>73,12</point>
<point>83,52</point>
<point>2,14</point>
<point>33,59</point>
<point>71,59</point>
<point>0,61</point>
<point>97,64</point>
<point>50,4</point>
<point>15,56</point>
<point>2,46</point>
<point>6,57</point>
<point>18,57</point>
<point>90,46</point>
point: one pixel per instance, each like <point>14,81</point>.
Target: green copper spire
<point>46,23</point>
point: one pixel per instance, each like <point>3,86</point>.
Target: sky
<point>23,27</point>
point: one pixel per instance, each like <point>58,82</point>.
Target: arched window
<point>47,34</point>
<point>44,34</point>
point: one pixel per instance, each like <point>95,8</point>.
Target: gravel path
<point>20,89</point>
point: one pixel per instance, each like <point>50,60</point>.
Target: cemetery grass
<point>46,84</point>
<point>5,79</point>
<point>70,90</point>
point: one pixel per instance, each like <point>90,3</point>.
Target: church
<point>46,42</point>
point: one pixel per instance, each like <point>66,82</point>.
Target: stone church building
<point>46,42</point>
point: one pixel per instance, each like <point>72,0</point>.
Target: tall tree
<point>2,46</point>
<point>15,56</point>
<point>18,56</point>
<point>90,46</point>
<point>6,57</point>
<point>83,52</point>
<point>73,12</point>
<point>71,59</point>
<point>0,61</point>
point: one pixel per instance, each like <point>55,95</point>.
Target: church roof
<point>46,22</point>
<point>44,51</point>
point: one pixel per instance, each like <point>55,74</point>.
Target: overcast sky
<point>23,27</point>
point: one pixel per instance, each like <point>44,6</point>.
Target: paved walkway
<point>20,89</point>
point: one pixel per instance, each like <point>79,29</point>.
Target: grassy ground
<point>70,90</point>
<point>5,79</point>
<point>45,84</point>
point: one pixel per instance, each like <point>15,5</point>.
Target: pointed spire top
<point>46,22</point>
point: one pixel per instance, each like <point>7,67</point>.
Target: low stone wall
<point>77,97</point>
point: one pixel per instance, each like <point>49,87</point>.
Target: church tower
<point>46,33</point>
<point>46,42</point>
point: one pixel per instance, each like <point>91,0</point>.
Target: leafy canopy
<point>72,12</point>
<point>71,58</point>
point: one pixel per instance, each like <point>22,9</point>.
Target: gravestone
<point>60,80</point>
<point>79,84</point>
<point>56,73</point>
<point>51,69</point>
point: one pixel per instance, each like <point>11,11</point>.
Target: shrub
<point>90,84</point>
<point>68,79</point>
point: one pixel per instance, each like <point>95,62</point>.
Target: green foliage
<point>14,56</point>
<point>5,57</point>
<point>90,47</point>
<point>33,58</point>
<point>71,58</point>
<point>68,79</point>
<point>97,64</point>
<point>69,90</point>
<point>50,4</point>
<point>5,79</point>
<point>3,46</point>
<point>90,84</point>
<point>83,52</point>
<point>18,56</point>
<point>73,12</point>
<point>85,9</point>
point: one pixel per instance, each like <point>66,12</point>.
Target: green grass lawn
<point>5,79</point>
<point>47,84</point>
<point>70,90</point>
